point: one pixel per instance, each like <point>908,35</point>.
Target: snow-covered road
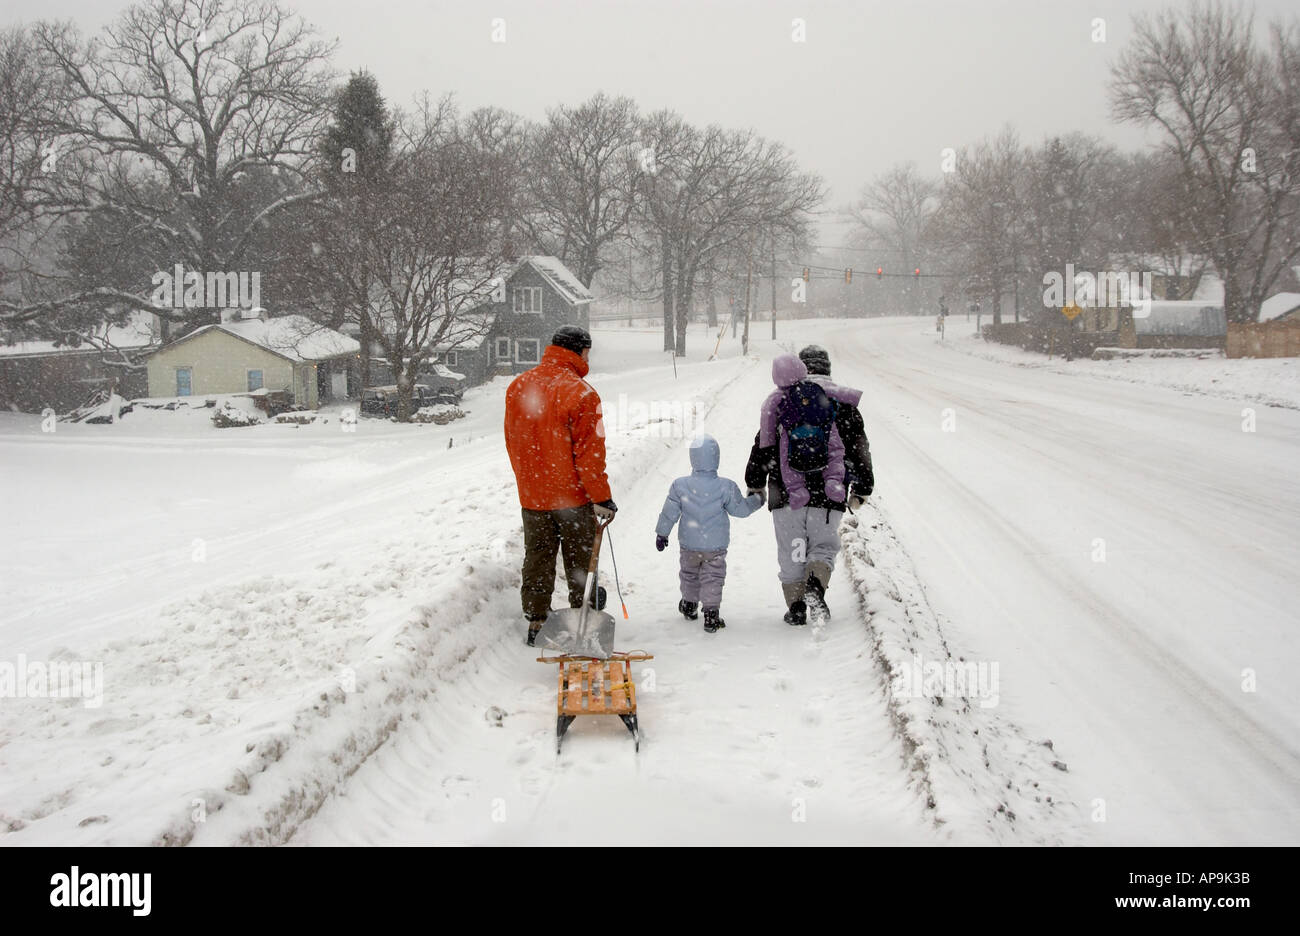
<point>1128,555</point>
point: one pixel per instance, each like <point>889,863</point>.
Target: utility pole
<point>749,279</point>
<point>774,287</point>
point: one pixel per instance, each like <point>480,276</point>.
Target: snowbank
<point>981,775</point>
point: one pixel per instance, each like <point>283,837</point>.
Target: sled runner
<point>589,686</point>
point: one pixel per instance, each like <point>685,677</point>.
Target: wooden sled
<point>588,686</point>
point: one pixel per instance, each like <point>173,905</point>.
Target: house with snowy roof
<point>507,334</point>
<point>1283,306</point>
<point>62,375</point>
<point>248,351</point>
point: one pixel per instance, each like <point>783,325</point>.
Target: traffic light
<point>805,274</point>
<point>917,272</point>
<point>880,272</point>
<point>848,275</point>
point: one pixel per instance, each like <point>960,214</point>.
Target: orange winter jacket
<point>554,434</point>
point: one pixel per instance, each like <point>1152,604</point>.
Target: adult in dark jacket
<point>808,539</point>
<point>858,474</point>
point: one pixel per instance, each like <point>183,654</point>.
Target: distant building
<point>508,337</point>
<point>35,375</point>
<point>1284,306</point>
<point>539,294</point>
<point>248,351</point>
<point>1190,319</point>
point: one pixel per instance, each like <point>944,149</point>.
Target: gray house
<point>508,337</point>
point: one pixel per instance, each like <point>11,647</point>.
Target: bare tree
<point>980,220</point>
<point>427,245</point>
<point>715,191</point>
<point>1071,192</point>
<point>180,107</point>
<point>1154,223</point>
<point>582,169</point>
<point>32,187</point>
<point>1226,111</point>
<point>894,214</point>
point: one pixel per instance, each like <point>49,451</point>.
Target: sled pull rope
<point>614,562</point>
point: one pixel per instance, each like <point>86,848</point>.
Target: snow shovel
<point>582,631</point>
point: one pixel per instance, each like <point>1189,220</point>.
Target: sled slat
<point>596,688</point>
<point>617,688</point>
<point>573,703</point>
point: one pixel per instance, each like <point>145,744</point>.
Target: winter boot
<point>792,593</point>
<point>597,599</point>
<point>711,620</point>
<point>797,615</point>
<point>687,608</point>
<point>534,625</point>
<point>815,589</point>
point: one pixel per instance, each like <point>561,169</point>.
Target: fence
<point>1264,339</point>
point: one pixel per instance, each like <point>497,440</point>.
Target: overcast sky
<point>875,83</point>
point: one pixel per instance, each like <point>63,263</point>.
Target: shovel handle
<point>595,547</point>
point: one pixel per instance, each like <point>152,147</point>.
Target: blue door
<point>182,381</point>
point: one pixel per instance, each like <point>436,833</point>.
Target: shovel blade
<point>563,631</point>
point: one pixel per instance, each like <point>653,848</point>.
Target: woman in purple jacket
<point>806,505</point>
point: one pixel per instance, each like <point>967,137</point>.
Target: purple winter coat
<point>788,370</point>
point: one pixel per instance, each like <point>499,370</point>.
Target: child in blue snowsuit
<point>702,500</point>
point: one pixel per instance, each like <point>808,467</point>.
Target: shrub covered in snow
<point>230,415</point>
<point>441,414</point>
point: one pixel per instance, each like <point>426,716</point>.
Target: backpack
<point>807,415</point>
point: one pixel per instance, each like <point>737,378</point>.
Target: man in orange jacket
<point>556,442</point>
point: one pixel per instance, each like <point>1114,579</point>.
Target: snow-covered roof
<point>1278,305</point>
<point>136,334</point>
<point>295,337</point>
<point>1185,317</point>
<point>466,333</point>
<point>553,270</point>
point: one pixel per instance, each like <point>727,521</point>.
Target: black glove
<point>605,510</point>
<point>661,543</point>
<point>762,495</point>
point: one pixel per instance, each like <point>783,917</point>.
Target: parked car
<point>382,402</point>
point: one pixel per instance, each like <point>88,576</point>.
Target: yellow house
<point>248,351</point>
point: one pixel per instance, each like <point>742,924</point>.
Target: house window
<point>528,300</point>
<point>450,358</point>
<point>526,351</point>
<point>503,349</point>
<point>184,381</point>
<point>254,380</point>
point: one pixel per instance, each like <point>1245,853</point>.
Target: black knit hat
<point>572,337</point>
<point>816,359</point>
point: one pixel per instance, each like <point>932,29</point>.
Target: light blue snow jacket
<point>702,500</point>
